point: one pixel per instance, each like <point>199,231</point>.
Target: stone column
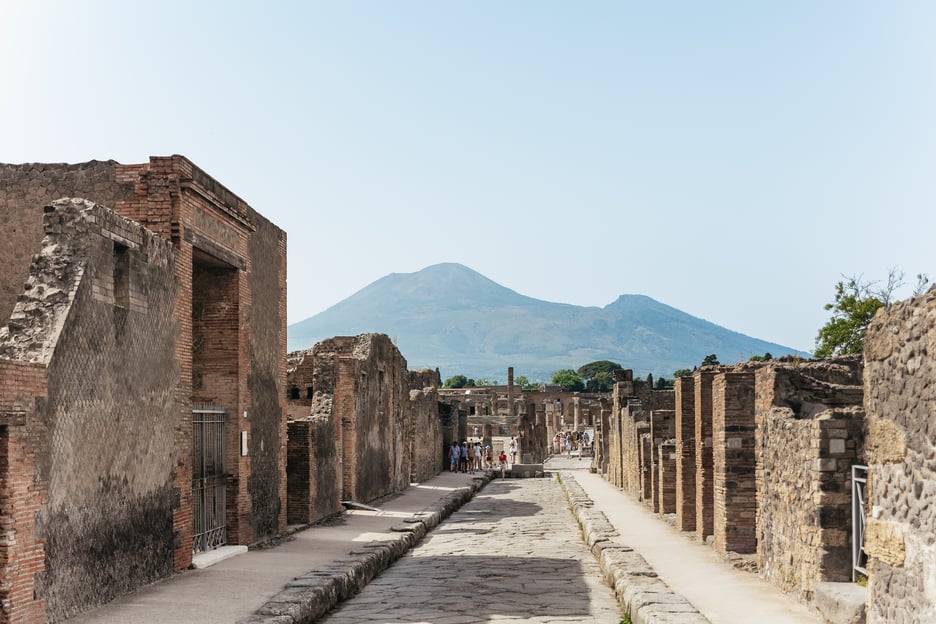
<point>685,455</point>
<point>735,485</point>
<point>576,413</point>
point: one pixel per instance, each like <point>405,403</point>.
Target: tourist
<point>454,454</point>
<point>478,454</point>
<point>488,457</point>
<point>513,452</point>
<point>502,459</point>
<point>464,456</point>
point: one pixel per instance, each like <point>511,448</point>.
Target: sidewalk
<point>235,588</point>
<point>720,592</point>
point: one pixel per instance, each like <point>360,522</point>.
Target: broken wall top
<point>72,227</point>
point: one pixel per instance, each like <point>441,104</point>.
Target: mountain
<point>451,317</point>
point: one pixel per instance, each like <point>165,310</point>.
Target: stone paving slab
<point>512,554</point>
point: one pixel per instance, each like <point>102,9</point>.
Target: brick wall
<point>662,429</point>
<point>266,377</point>
<point>684,392</point>
<point>104,458</point>
<point>704,478</point>
<point>900,399</point>
<point>666,482</point>
<point>22,551</point>
<point>734,483</point>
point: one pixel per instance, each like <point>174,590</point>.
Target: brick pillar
<point>646,470</point>
<point>705,494</point>
<point>662,424</point>
<point>666,483</point>
<point>685,455</point>
<point>735,488</point>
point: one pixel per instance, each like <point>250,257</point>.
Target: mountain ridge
<point>454,318</point>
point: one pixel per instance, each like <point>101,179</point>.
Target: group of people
<point>571,441</point>
<point>469,457</point>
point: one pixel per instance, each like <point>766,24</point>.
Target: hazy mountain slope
<point>451,317</point>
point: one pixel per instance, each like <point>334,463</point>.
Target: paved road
<point>513,554</point>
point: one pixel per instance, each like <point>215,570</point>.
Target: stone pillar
<point>735,486</point>
<point>513,419</point>
<point>705,493</point>
<point>646,470</point>
<point>685,455</point>
<point>576,413</point>
<point>662,424</point>
<point>666,488</point>
<point>487,434</point>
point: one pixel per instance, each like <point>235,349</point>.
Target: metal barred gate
<point>209,478</point>
<point>859,518</point>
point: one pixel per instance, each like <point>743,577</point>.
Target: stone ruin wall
<point>783,430</point>
<point>810,431</point>
<point>900,345</point>
<point>24,190</point>
<point>427,451</point>
<point>103,459</point>
<point>361,425</point>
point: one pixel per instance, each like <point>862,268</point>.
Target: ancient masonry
<point>758,460</point>
<point>142,379</point>
<point>361,425</point>
<point>535,416</point>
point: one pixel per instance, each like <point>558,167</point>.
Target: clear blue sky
<point>731,159</point>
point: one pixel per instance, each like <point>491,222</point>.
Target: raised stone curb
<point>644,597</point>
<point>310,596</point>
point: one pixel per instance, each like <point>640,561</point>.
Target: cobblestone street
<point>513,554</point>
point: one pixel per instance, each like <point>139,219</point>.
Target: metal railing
<point>859,517</point>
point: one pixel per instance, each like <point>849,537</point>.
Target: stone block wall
<point>684,393</point>
<point>734,484</point>
<point>804,459</point>
<point>900,401</point>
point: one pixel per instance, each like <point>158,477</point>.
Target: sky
<point>731,159</point>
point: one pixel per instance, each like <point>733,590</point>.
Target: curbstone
<point>644,598</point>
<point>308,597</point>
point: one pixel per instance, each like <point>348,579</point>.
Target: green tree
<point>599,375</point>
<point>664,384</point>
<point>682,372</point>
<point>569,380</point>
<point>856,302</point>
<point>710,360</point>
<point>457,381</point>
<point>761,358</point>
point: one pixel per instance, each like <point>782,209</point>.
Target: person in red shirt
<point>502,459</point>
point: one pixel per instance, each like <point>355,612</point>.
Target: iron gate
<point>859,516</point>
<point>208,478</point>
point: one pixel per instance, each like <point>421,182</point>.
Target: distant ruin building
<point>361,425</point>
<point>142,376</point>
